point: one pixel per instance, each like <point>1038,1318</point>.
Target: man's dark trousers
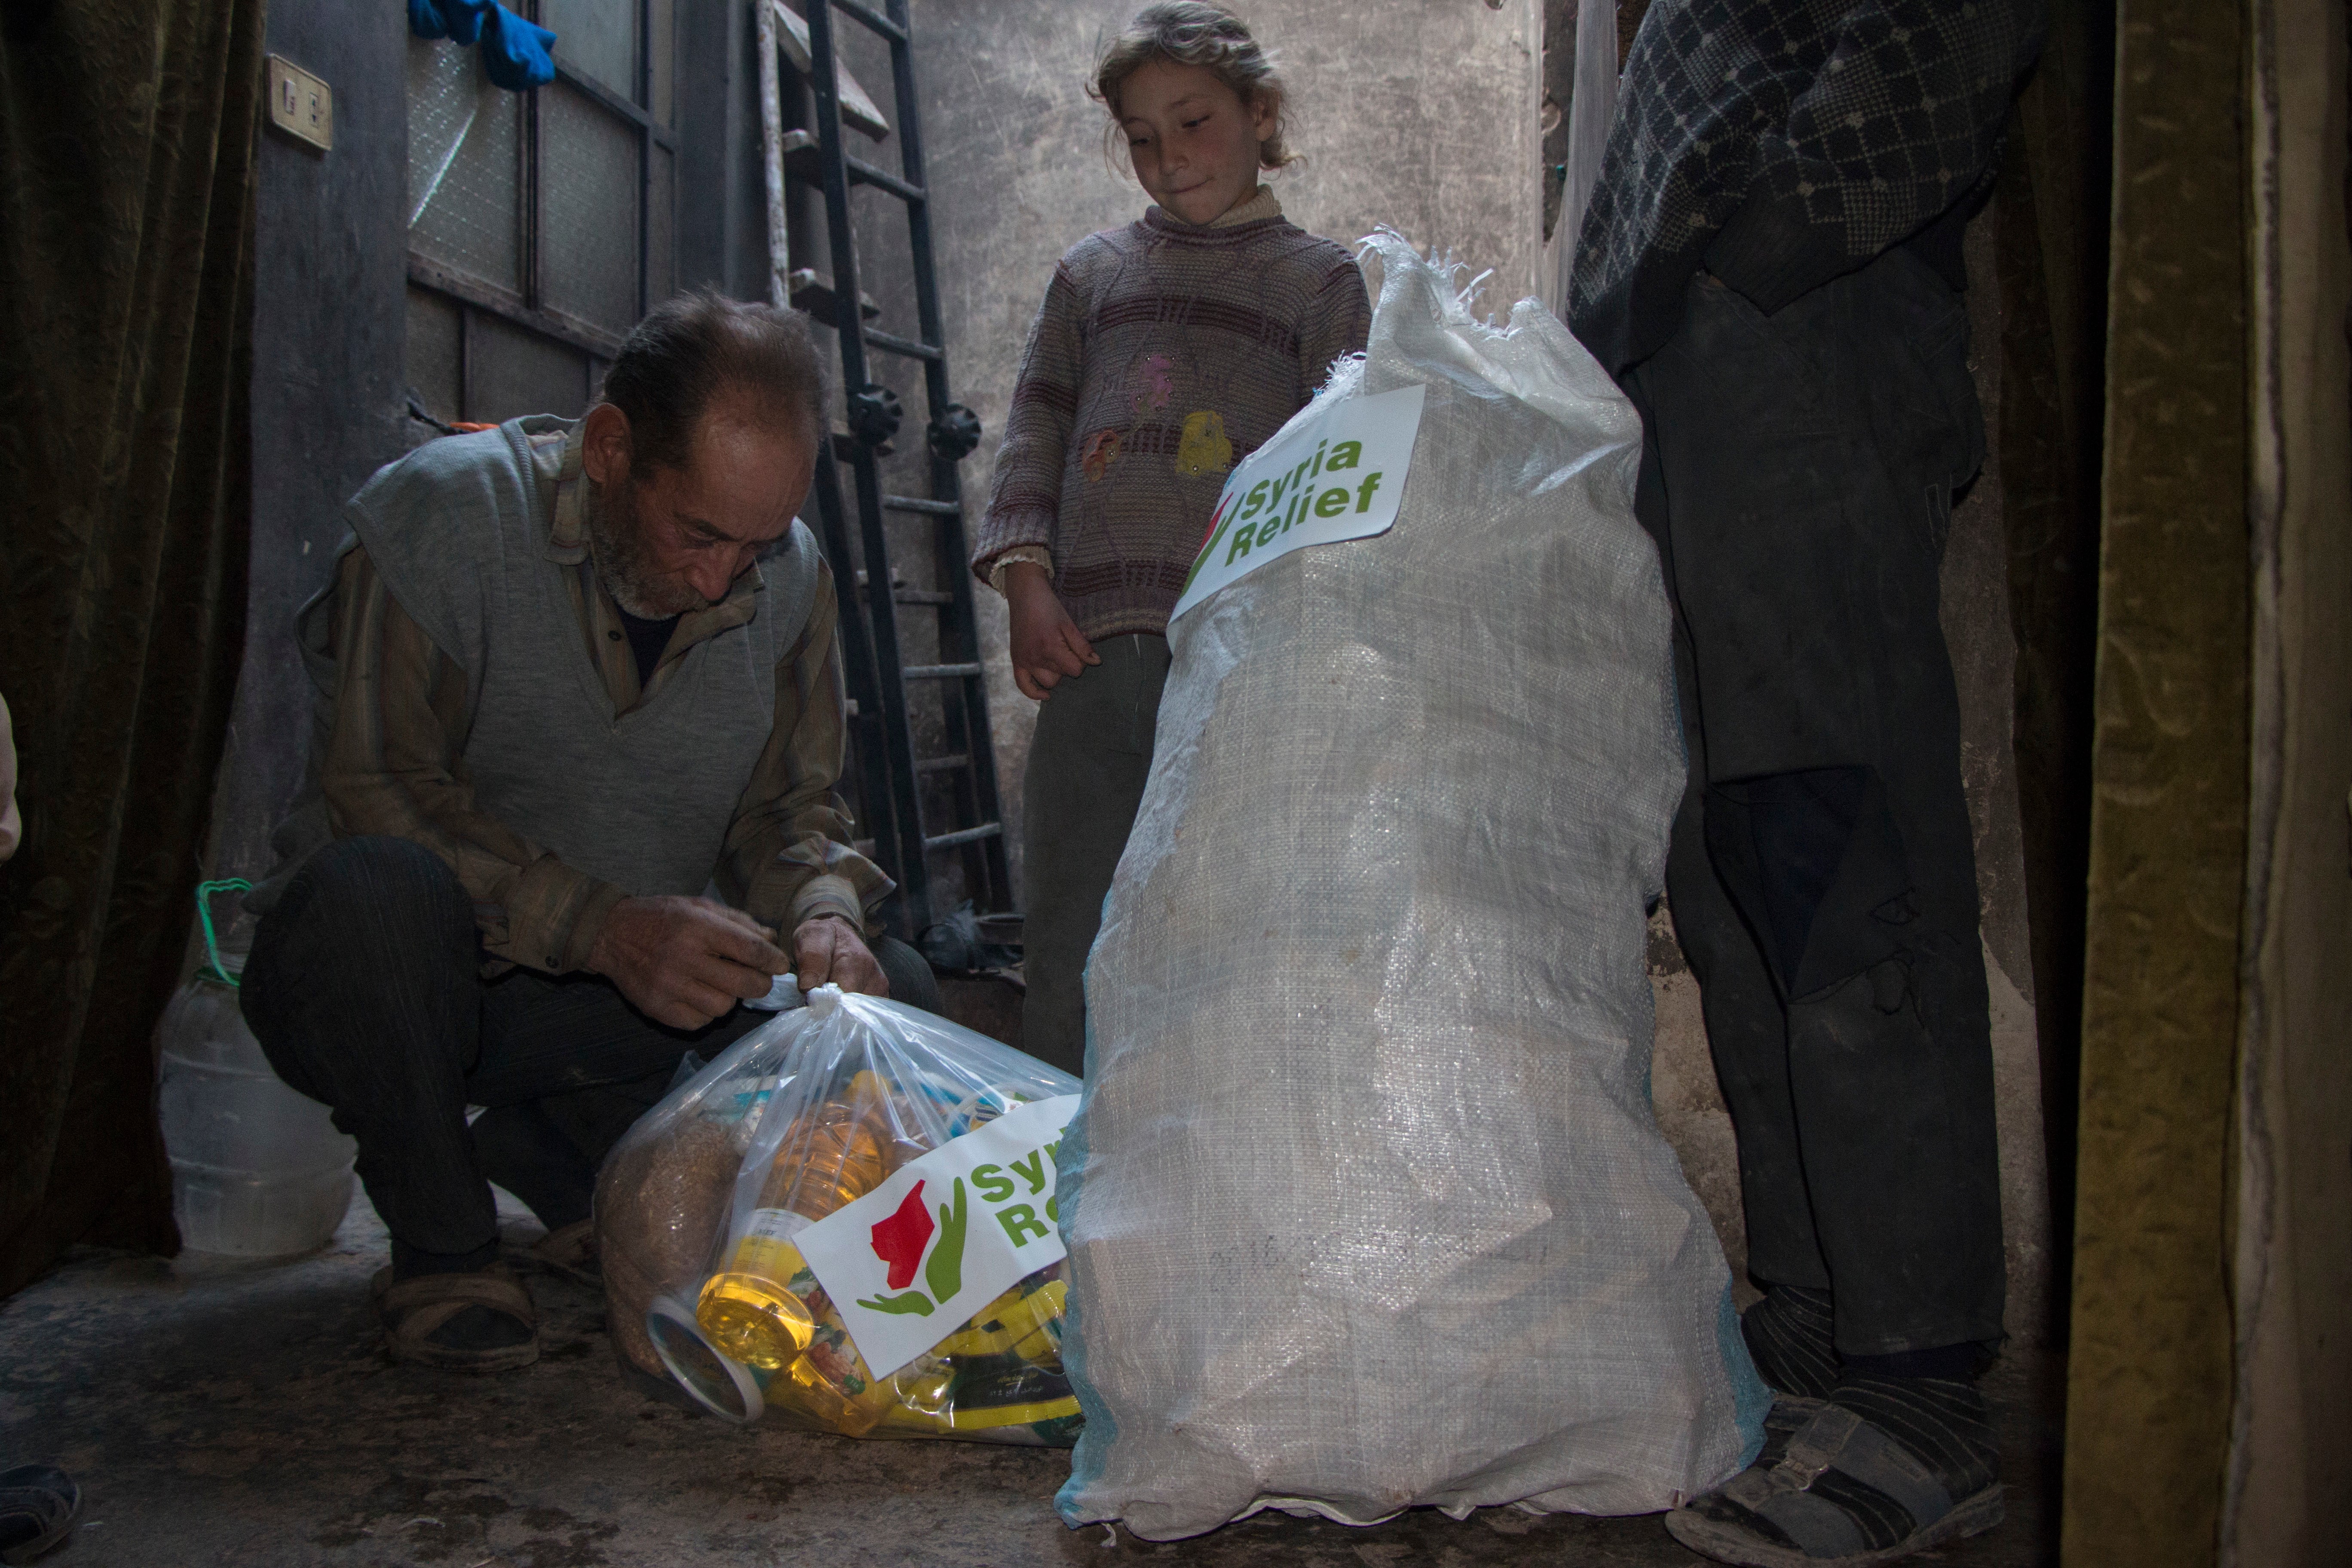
<point>364,988</point>
<point>1798,477</point>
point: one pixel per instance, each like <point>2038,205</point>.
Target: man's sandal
<point>570,1251</point>
<point>416,1311</point>
<point>38,1505</point>
<point>1832,1490</point>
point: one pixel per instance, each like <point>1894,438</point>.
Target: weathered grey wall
<point>1984,661</point>
<point>1421,115</point>
<point>328,329</point>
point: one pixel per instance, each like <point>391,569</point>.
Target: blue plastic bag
<point>516,53</point>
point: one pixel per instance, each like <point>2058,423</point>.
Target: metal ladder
<point>891,775</point>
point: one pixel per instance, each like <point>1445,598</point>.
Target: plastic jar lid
<point>726,1388</point>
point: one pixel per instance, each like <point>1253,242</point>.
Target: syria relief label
<point>1337,476</point>
<point>910,1262</point>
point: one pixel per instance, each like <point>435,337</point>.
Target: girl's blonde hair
<point>1193,33</point>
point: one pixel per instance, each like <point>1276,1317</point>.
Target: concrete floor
<point>240,1413</point>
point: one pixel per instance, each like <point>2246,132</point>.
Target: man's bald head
<point>702,349</point>
<point>701,449</point>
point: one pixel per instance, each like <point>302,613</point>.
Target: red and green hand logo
<point>1217,520</point>
<point>900,1240</point>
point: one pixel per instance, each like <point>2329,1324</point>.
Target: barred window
<point>540,224</point>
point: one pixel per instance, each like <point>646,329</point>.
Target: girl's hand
<point>1046,644</point>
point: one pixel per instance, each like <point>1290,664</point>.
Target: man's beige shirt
<point>396,763</point>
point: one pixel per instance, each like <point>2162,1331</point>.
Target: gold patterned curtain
<point>126,135</point>
<point>2150,1375</point>
<point>2210,1360</point>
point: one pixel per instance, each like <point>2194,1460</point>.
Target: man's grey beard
<point>622,563</point>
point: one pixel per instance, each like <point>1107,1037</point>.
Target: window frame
<point>530,310</point>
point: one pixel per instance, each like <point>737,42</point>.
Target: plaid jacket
<point>1783,142</point>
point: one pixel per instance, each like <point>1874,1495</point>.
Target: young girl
<point>1166,352</point>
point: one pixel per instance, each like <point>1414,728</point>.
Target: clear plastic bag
<point>839,1140</point>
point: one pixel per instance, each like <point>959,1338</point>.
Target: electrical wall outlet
<point>301,104</point>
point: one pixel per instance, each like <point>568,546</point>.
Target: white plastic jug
<point>258,1170</point>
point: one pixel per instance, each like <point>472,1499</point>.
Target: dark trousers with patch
<point>1798,477</point>
<point>1087,765</point>
<point>365,990</point>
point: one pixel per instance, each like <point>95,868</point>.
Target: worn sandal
<point>414,1310</point>
<point>570,1251</point>
<point>38,1505</point>
<point>1833,1489</point>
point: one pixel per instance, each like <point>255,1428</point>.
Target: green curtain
<point>126,135</point>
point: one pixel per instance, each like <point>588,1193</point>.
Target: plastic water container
<point>257,1171</point>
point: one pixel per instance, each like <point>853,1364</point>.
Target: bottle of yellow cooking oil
<point>831,1383</point>
<point>839,1152</point>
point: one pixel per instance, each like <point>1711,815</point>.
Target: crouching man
<point>571,674</point>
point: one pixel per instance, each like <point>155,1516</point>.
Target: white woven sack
<point>1366,1205</point>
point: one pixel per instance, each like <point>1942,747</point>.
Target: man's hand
<point>684,962</point>
<point>827,950</point>
<point>1046,644</point>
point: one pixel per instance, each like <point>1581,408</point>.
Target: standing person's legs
<point>1807,462</point>
<point>1791,1333</point>
<point>1088,764</point>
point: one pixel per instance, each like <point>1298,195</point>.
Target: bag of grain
<point>849,1220</point>
<point>1366,1205</point>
